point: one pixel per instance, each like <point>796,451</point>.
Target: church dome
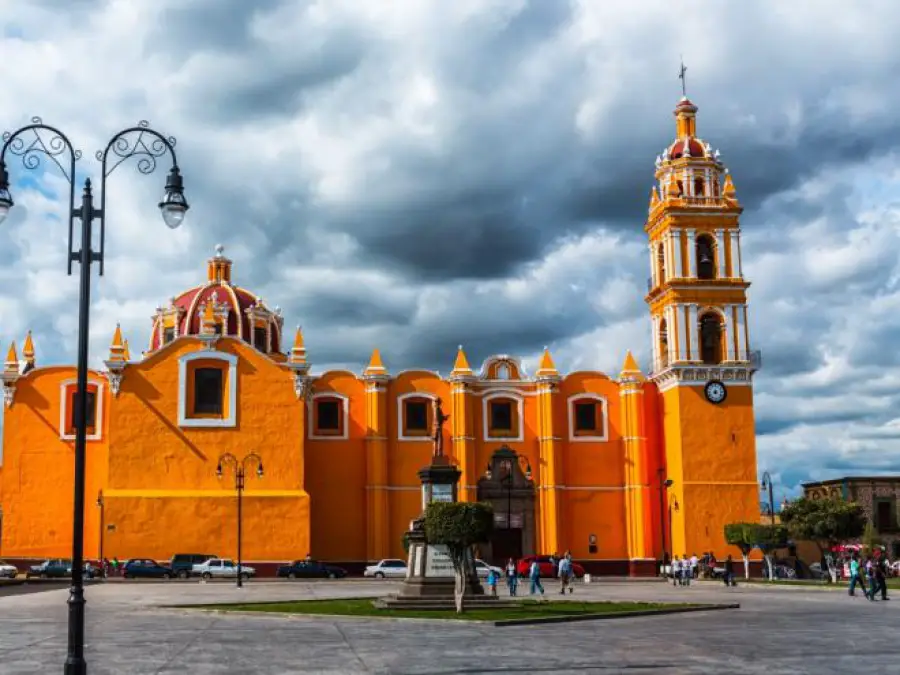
<point>236,311</point>
<point>694,146</point>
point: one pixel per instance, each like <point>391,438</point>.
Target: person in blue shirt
<point>535,575</point>
<point>856,576</point>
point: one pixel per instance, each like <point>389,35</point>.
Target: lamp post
<point>507,479</point>
<point>240,470</point>
<point>664,483</point>
<point>30,142</point>
<point>767,483</point>
<point>100,505</point>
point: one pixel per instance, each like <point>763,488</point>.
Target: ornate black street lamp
<point>240,469</point>
<point>664,484</point>
<point>101,505</point>
<point>29,143</point>
<point>767,483</point>
<point>507,478</point>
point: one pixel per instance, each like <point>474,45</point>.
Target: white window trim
<point>64,409</point>
<point>345,432</point>
<point>205,422</point>
<point>485,415</point>
<point>401,406</point>
<point>570,405</point>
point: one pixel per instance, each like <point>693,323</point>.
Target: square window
<point>501,416</point>
<point>328,417</point>
<point>208,390</point>
<point>586,417</point>
<point>416,417</point>
<point>91,412</point>
<point>168,335</point>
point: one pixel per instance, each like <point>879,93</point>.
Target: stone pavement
<point>129,633</point>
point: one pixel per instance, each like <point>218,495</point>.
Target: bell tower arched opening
<point>706,257</point>
<point>711,338</point>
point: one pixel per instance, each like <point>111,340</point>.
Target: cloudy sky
<point>415,174</point>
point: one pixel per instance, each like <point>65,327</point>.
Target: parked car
<point>182,564</point>
<point>483,569</point>
<point>8,571</point>
<point>49,569</point>
<point>222,568</point>
<point>548,569</point>
<point>138,568</point>
<point>307,569</point>
<point>386,568</point>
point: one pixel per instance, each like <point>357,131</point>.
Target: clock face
<point>715,391</point>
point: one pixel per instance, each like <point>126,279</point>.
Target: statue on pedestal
<point>437,428</point>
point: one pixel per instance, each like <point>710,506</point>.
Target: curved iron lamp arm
<point>52,148</point>
<point>138,141</point>
<point>132,142</point>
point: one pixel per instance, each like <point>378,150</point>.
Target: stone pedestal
<point>430,581</point>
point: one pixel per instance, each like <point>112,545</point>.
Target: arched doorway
<point>508,486</point>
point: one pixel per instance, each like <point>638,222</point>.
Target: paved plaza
<point>130,632</point>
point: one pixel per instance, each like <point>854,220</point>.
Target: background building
<point>575,461</point>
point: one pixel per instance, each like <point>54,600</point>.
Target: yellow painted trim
<point>157,494</point>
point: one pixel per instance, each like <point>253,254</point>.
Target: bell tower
<point>702,363</point>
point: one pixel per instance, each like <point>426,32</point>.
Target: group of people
<point>685,569</point>
<point>869,574</point>
<point>562,569</point>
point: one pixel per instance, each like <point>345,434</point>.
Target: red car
<point>548,569</point>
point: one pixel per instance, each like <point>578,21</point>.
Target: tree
<point>768,539</point>
<point>741,535</point>
<point>459,526</point>
<point>870,539</point>
<point>827,522</point>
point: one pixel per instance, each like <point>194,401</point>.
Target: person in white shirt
<point>676,571</point>
<point>694,566</point>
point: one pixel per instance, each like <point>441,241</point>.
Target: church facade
<point>616,469</point>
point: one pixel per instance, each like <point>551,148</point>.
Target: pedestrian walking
<point>881,569</point>
<point>115,566</point>
<point>492,578</point>
<point>565,573</point>
<point>856,576</point>
<point>686,571</point>
<point>535,575</point>
<point>729,572</point>
<point>512,577</point>
<point>676,570</point>
<point>694,566</point>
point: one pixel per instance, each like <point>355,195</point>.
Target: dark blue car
<point>138,568</point>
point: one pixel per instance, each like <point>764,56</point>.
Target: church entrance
<point>508,486</point>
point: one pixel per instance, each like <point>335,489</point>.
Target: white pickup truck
<point>222,568</point>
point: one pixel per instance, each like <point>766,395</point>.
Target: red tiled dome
<point>226,297</point>
<point>677,149</point>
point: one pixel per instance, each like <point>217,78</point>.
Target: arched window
<point>698,187</point>
<point>503,372</point>
<point>711,338</point>
<point>660,265</point>
<point>706,258</point>
<point>663,344</point>
<point>680,188</point>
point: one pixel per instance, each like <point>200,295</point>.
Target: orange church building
<point>571,461</point>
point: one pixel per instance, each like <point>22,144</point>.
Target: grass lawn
<point>527,610</point>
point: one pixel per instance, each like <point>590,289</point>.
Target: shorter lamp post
<point>240,469</point>
<point>524,464</point>
<point>664,484</point>
<point>767,484</point>
<point>100,505</point>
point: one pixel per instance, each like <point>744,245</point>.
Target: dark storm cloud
<point>217,25</point>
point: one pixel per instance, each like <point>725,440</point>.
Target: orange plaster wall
<point>711,453</point>
<point>592,464</point>
<point>171,463</point>
<point>336,477</point>
<point>405,458</point>
<point>39,468</point>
